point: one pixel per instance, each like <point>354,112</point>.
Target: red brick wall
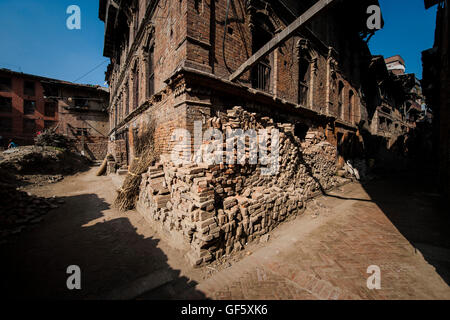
<point>18,97</point>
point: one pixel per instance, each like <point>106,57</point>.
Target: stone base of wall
<point>213,210</point>
<point>118,150</point>
<point>95,151</point>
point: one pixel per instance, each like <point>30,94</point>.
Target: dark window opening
<point>304,78</point>
<point>5,124</point>
<point>127,100</point>
<point>29,88</point>
<point>351,99</point>
<point>5,104</point>
<point>50,109</point>
<point>261,72</point>
<point>29,125</point>
<point>136,88</point>
<point>382,123</point>
<point>5,84</point>
<point>80,102</point>
<point>301,131</point>
<point>51,91</point>
<point>29,107</point>
<point>82,132</point>
<point>341,99</point>
<point>49,124</point>
<point>151,73</point>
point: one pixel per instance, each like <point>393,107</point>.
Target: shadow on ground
<point>412,203</point>
<point>116,262</point>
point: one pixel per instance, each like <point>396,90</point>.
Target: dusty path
<point>113,249</point>
<point>323,254</point>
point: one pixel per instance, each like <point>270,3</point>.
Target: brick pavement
<point>330,260</point>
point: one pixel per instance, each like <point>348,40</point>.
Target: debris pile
<point>217,209</point>
<point>20,210</point>
<point>49,138</point>
<point>42,160</point>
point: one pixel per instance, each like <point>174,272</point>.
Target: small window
<point>340,99</point>
<point>29,88</point>
<point>29,125</point>
<point>29,106</point>
<point>5,84</point>
<point>5,105</point>
<point>49,124</point>
<point>351,102</point>
<point>51,91</point>
<point>50,109</point>
<point>304,79</point>
<point>82,132</point>
<point>5,124</point>
<point>151,73</point>
<point>80,102</point>
<point>135,88</point>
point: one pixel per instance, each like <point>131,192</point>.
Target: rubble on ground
<point>41,164</point>
<point>50,138</point>
<point>218,209</point>
<point>20,210</point>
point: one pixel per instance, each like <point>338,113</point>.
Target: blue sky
<point>408,30</point>
<point>35,38</point>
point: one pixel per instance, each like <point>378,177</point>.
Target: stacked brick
<point>215,209</point>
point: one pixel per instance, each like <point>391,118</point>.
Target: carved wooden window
<point>136,88</point>
<point>341,99</point>
<point>351,99</point>
<point>151,73</point>
<point>262,33</point>
<point>127,99</point>
<point>304,81</point>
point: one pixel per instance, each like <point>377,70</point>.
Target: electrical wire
<point>225,36</point>
<point>87,73</point>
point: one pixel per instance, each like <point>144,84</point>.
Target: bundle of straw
<point>127,196</point>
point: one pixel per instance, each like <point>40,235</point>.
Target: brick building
<point>222,63</point>
<point>23,108</point>
<point>175,70</point>
<point>396,64</point>
<point>29,104</point>
<point>436,84</point>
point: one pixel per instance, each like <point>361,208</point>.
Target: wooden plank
<point>280,37</point>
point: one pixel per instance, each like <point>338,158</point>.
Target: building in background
<point>24,110</point>
<point>396,65</point>
<point>436,88</point>
<point>30,104</point>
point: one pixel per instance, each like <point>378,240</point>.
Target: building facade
<point>174,70</point>
<point>173,65</point>
<point>436,84</point>
<point>24,111</point>
<point>30,104</point>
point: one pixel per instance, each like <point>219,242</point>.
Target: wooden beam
<point>282,36</point>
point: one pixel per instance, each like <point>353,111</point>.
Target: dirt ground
<point>112,248</point>
<point>323,254</point>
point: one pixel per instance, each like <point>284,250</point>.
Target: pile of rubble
<point>216,209</point>
<point>50,138</point>
<point>41,160</point>
<point>20,210</point>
